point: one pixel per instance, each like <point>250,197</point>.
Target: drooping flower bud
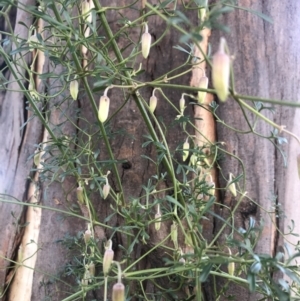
<point>182,104</point>
<point>231,268</point>
<point>203,84</point>
<point>212,189</point>
<point>231,265</point>
<point>37,157</point>
<point>146,42</point>
<point>87,236</point>
<point>174,234</point>
<point>79,192</point>
<point>108,258</point>
<point>33,42</point>
<point>106,189</point>
<point>118,292</point>
<point>231,185</point>
<point>153,102</point>
<point>186,147</point>
<point>74,88</point>
<point>158,218</point>
<point>103,106</point>
<point>92,269</point>
<point>221,71</point>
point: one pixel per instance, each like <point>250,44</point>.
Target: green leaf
<point>205,272</point>
<point>174,201</point>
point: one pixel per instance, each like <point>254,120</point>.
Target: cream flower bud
<point>185,152</point>
<point>212,189</point>
<point>146,42</point>
<point>92,270</point>
<point>231,186</point>
<point>118,292</point>
<point>231,268</point>
<point>203,84</point>
<point>221,71</point>
<point>106,189</point>
<point>74,88</point>
<point>174,234</point>
<point>87,236</point>
<point>33,42</point>
<point>37,157</point>
<point>79,192</point>
<point>103,108</point>
<point>108,258</point>
<point>152,103</point>
<point>182,104</point>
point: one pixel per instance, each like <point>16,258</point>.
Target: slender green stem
<point>95,109</point>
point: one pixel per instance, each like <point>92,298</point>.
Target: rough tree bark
<point>266,64</point>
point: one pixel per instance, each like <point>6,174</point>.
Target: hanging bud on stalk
<point>103,106</point>
<point>182,104</point>
<point>146,42</point>
<point>221,71</point>
<point>79,192</point>
<point>231,265</point>
<point>186,147</point>
<point>108,258</point>
<point>153,102</point>
<point>231,185</point>
<point>106,187</point>
<point>74,88</point>
<point>174,234</point>
<point>118,292</point>
<point>158,218</point>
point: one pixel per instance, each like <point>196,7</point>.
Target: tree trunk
<point>266,64</point>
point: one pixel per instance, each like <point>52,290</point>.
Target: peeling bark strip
<point>205,135</point>
<point>20,288</point>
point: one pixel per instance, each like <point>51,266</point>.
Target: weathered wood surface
<point>266,64</point>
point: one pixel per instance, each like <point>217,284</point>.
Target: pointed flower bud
<point>153,102</point>
<point>174,234</point>
<point>221,71</point>
<point>203,84</point>
<point>118,292</point>
<point>103,106</point>
<point>186,147</point>
<point>87,236</point>
<point>158,218</point>
<point>74,88</point>
<point>146,42</point>
<point>231,268</point>
<point>182,104</point>
<point>91,268</point>
<point>231,186</point>
<point>108,258</point>
<point>79,192</point>
<point>33,42</point>
<point>106,189</point>
<point>37,157</point>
